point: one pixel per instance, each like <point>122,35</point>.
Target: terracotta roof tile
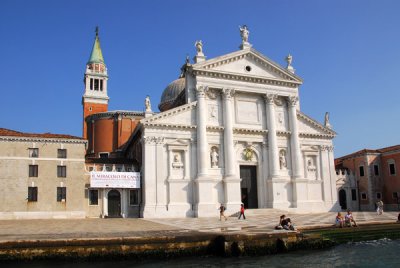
<point>13,133</point>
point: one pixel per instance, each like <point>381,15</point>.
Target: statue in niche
<point>214,157</point>
<point>177,163</point>
<point>282,159</point>
<point>244,33</point>
<point>147,104</point>
<point>213,112</point>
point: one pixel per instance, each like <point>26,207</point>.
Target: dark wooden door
<point>342,199</point>
<point>248,186</point>
<point>114,204</point>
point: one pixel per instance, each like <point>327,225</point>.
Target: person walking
<point>242,212</point>
<point>222,212</point>
<point>379,209</point>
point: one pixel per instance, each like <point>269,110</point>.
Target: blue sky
<point>347,52</point>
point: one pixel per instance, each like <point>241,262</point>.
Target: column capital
<point>200,91</point>
<point>328,148</point>
<point>270,98</point>
<point>292,100</point>
<point>228,92</point>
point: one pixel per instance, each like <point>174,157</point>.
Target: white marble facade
<point>241,110</point>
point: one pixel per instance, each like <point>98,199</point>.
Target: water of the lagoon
<point>377,253</point>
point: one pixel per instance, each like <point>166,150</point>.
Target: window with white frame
<point>62,153</point>
<point>33,152</point>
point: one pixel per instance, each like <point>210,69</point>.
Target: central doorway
<point>248,186</point>
<point>114,204</point>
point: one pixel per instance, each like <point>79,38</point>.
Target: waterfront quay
<point>142,238</point>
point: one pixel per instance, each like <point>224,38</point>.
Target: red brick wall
<point>88,109</point>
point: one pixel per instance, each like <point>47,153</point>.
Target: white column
<point>228,133</point>
<point>202,151</point>
<point>297,159</point>
<point>272,139</point>
<point>205,206</point>
<point>231,181</point>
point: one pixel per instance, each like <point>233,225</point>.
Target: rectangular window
<point>395,195</point>
<point>134,197</point>
<point>353,194</point>
<point>62,153</point>
<point>376,170</point>
<point>392,170</point>
<point>61,171</point>
<point>363,196</point>
<point>378,195</point>
<point>91,83</point>
<point>361,171</point>
<point>93,197</point>
<point>101,85</point>
<point>61,194</point>
<point>33,152</point>
<point>96,84</point>
<point>33,170</point>
<point>32,194</point>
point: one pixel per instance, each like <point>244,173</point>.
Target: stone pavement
<point>257,221</point>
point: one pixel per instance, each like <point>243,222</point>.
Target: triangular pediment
<point>311,128</point>
<point>248,62</point>
<point>183,116</point>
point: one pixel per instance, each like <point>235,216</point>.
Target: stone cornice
<point>177,110</point>
<point>316,124</point>
<point>316,135</point>
<point>249,131</point>
<point>215,128</point>
<point>44,140</point>
<point>283,133</point>
<point>246,78</point>
<point>113,114</point>
<point>167,125</point>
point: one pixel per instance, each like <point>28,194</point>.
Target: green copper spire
<point>96,56</point>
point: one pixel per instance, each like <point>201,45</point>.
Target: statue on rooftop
<point>147,104</point>
<point>199,48</point>
<point>244,33</point>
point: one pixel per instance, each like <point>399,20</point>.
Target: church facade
<point>231,131</point>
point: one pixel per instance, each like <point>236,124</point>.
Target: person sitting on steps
<point>349,219</point>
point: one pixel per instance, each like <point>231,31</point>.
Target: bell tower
<point>95,98</point>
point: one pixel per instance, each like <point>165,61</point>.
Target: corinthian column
<point>202,152</point>
<point>228,133</point>
<point>297,160</point>
<point>272,139</point>
<point>205,204</point>
<point>231,182</point>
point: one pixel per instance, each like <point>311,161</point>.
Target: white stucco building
<point>231,131</point>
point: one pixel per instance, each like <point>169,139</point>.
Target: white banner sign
<point>114,179</point>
